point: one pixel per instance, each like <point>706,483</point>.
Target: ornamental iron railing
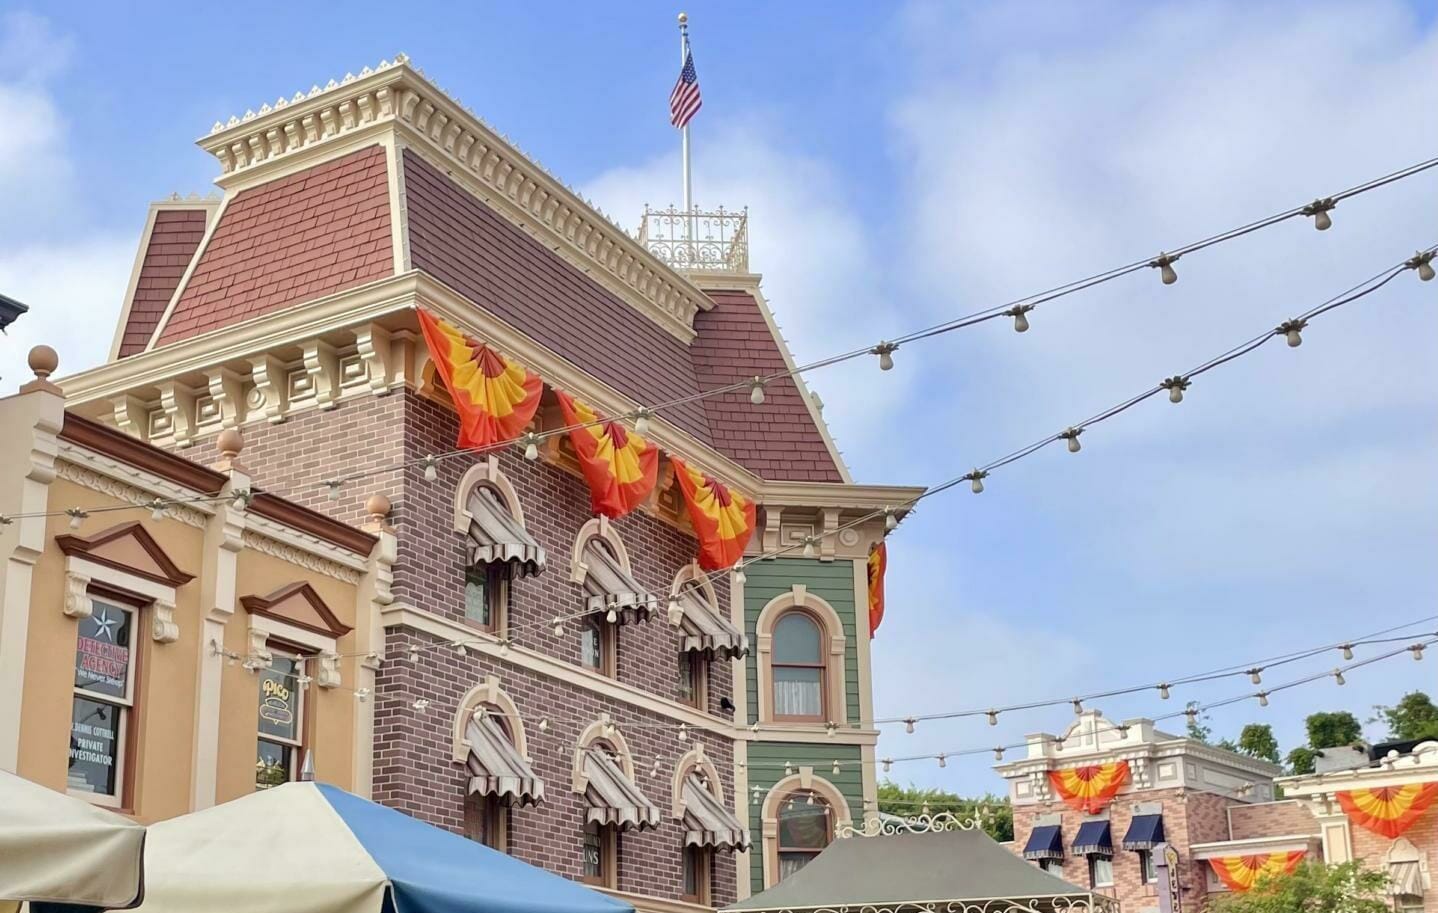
<point>698,239</point>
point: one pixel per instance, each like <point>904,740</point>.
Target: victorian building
<point>569,688</point>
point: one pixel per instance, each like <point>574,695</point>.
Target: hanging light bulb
<point>641,419</point>
<point>242,499</point>
<point>1338,676</point>
<point>809,547</point>
<point>1078,707</point>
<point>757,794</point>
<point>1192,714</point>
<point>891,519</point>
<point>756,391</point>
<point>504,647</point>
<point>334,486</point>
<point>460,648</point>
<point>993,716</point>
<point>1255,675</point>
<point>976,480</point>
<point>788,769</point>
<point>531,446</point>
<point>431,469</point>
<point>754,727</point>
<point>421,705</point>
<point>1423,262</point>
<point>1164,264</point>
<point>835,769</point>
<point>1163,692</point>
<point>1059,744</point>
<point>1122,729</point>
<point>1347,650</point>
<point>909,725</point>
<point>1262,698</point>
<point>544,725</point>
<point>414,653</point>
<point>1417,651</point>
<point>1292,330</point>
<point>558,627</point>
<point>608,729</point>
<point>1318,209</point>
<point>77,516</point>
<point>888,764</point>
<point>362,695</point>
<point>157,510</point>
<point>739,576</point>
<point>654,771</point>
<point>1072,436</point>
<point>683,732</point>
<point>1175,386</point>
<point>809,799</point>
<point>676,611</point>
<point>885,351</point>
<point>1020,314</point>
<point>612,615</point>
<point>998,754</point>
<point>831,728</point>
<point>943,761</point>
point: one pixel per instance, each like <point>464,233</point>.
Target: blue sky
<point>903,162</point>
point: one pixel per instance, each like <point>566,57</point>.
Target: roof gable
<point>127,547</point>
<point>298,604</point>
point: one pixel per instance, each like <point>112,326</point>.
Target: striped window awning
<point>1093,839</point>
<point>496,768</point>
<point>1405,879</point>
<point>1045,842</point>
<point>707,631</point>
<point>607,585</point>
<point>496,537</point>
<point>1144,832</point>
<point>707,822</point>
<point>613,798</point>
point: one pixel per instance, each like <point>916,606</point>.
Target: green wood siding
<point>766,767</point>
<point>832,581</point>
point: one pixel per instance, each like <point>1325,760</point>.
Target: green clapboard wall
<point>766,767</point>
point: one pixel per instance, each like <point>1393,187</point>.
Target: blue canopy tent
<point>312,848</point>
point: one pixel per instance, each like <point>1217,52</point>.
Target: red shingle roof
<point>173,239</point>
<point>313,233</point>
<point>779,439</point>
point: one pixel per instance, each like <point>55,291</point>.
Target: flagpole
<point>684,132</point>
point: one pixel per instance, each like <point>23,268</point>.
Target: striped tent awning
<point>496,768</point>
<point>706,631</point>
<point>707,822</point>
<point>1093,839</point>
<point>1405,879</point>
<point>607,585</point>
<point>1046,841</point>
<point>496,537</point>
<point>613,798</point>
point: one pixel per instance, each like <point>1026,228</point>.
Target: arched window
<point>806,824</point>
<point>612,597</point>
<point>798,668</point>
<point>490,743</point>
<point>498,549</point>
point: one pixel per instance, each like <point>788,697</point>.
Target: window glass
<point>1145,867</point>
<point>1052,866</point>
<point>1100,869</point>
<point>798,691</point>
<point>593,851</point>
<point>95,741</point>
<point>591,643</point>
<point>477,599</point>
<point>102,651</point>
<point>803,825</point>
<point>104,682</point>
<point>280,721</point>
<point>796,640</point>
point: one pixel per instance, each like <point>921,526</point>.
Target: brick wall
<point>1372,850</point>
<point>1270,819</point>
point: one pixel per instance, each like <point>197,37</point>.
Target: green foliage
<point>1301,760</point>
<point>1312,888</point>
<point>1415,716</point>
<point>906,801</point>
<point>1199,732</point>
<point>1257,741</point>
<point>1331,730</point>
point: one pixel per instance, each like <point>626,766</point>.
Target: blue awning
<point>1144,832</point>
<point>1093,839</point>
<point>1045,842</point>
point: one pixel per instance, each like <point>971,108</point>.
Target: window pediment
<point>127,547</point>
<point>298,604</point>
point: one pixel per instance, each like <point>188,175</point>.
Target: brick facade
<point>1267,819</point>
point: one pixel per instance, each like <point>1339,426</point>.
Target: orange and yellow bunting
<point>1389,810</point>
<point>1089,789</point>
<point>1240,873</point>
<point>495,397</point>
<point>619,465</point>
<point>878,563</point>
<point>723,518</point>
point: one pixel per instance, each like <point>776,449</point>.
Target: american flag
<point>684,101</point>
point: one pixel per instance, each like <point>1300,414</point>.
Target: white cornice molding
<point>263,144</point>
<point>1421,766</point>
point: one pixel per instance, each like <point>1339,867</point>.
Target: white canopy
<point>59,849</point>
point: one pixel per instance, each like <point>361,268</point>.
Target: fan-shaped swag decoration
<point>1390,810</point>
<point>723,518</point>
<point>1089,789</point>
<point>878,563</point>
<point>619,465</point>
<point>495,397</point>
<point>1241,873</point>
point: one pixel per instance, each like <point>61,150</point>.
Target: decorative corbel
<point>178,403</point>
<point>77,595</point>
<point>323,367</point>
<point>163,627</point>
<point>259,655</point>
<point>773,519</point>
<point>327,673</point>
<point>131,415</point>
<point>272,394</point>
<point>373,343</point>
<point>829,538</point>
<point>227,391</point>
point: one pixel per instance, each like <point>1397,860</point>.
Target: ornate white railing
<point>697,239</point>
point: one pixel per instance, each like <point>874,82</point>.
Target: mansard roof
<point>173,231</point>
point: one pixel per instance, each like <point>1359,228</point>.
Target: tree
<point>1414,717</point>
<point>995,813</point>
<point>1257,741</point>
<point>1312,888</point>
<point>1301,760</point>
<point>1199,732</point>
<point>1330,730</point>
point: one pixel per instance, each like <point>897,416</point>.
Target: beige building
<point>169,639</point>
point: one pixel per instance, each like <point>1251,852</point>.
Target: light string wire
<point>1016,308</point>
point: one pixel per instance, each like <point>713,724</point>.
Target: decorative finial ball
<point>683,18</point>
<point>230,442</point>
<point>43,361</point>
<point>377,506</point>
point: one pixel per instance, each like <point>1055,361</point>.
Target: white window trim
<point>80,572</point>
<point>323,646</point>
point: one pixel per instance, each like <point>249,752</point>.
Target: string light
<point>242,499</point>
<point>1417,651</point>
<point>1175,386</point>
<point>1078,707</point>
<point>544,725</point>
<point>888,764</point>
<point>788,769</point>
<point>157,510</point>
<point>976,480</point>
<point>993,717</point>
<point>835,769</point>
<point>683,732</point>
<point>431,468</point>
<point>362,695</point>
<point>1318,209</point>
<point>739,576</point>
<point>909,725</point>
<point>676,611</point>
<point>421,705</point>
<point>1163,692</point>
<point>891,519</point>
<point>1422,261</point>
<point>885,351</point>
<point>558,627</point>
<point>943,760</point>
<point>531,446</point>
<point>1338,676</point>
<point>809,547</point>
<point>1020,314</point>
<point>1164,264</point>
<point>77,517</point>
<point>1072,436</point>
<point>612,616</point>
<point>642,416</point>
<point>1255,675</point>
<point>334,486</point>
<point>1292,330</point>
<point>459,648</point>
<point>756,391</point>
<point>1262,698</point>
<point>998,753</point>
<point>1347,650</point>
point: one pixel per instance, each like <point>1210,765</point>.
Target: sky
<point>903,163</point>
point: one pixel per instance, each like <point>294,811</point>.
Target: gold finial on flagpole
<point>683,21</point>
